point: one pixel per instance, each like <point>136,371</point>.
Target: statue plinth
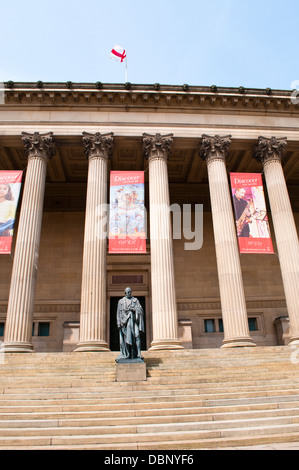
<point>131,370</point>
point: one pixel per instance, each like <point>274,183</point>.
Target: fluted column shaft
<point>18,326</point>
<point>93,317</point>
<point>235,322</point>
<point>164,308</point>
<point>270,152</point>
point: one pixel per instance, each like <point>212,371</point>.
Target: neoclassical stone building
<point>60,286</point>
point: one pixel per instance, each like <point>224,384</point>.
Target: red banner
<point>127,214</point>
<point>10,186</point>
<point>250,213</point>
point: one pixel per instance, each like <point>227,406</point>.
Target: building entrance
<point>114,334</point>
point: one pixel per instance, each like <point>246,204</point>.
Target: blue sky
<point>198,42</point>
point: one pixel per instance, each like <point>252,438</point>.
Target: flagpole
<point>126,70</point>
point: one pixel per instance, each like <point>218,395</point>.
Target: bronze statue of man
<point>130,323</point>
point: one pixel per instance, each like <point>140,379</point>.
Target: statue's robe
<point>129,323</point>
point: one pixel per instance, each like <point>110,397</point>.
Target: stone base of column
<point>166,344</point>
<point>22,347</point>
<point>238,343</point>
<point>89,346</point>
<point>294,340</point>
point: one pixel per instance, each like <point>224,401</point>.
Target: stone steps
<point>151,408</point>
<point>158,416</point>
<point>191,400</point>
<point>184,439</point>
<point>70,428</point>
<point>204,399</point>
<point>217,442</point>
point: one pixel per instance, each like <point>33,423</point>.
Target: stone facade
<point>191,169</point>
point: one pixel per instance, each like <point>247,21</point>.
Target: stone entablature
<point>147,96</point>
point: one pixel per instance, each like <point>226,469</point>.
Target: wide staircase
<point>192,399</point>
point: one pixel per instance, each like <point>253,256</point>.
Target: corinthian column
<point>270,151</point>
<point>164,310</point>
<point>214,151</point>
<point>93,318</point>
<point>18,327</point>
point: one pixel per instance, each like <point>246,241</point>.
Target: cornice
<point>159,97</point>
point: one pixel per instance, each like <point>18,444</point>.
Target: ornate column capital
<point>269,149</point>
<point>39,145</point>
<point>157,145</point>
<point>214,147</point>
<point>98,145</point>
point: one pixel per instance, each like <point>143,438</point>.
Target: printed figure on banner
<point>10,186</point>
<point>252,224</point>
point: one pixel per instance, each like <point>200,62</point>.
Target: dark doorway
<point>114,335</point>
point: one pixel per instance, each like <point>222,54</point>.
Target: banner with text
<point>10,186</point>
<point>127,232</point>
<point>250,213</point>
